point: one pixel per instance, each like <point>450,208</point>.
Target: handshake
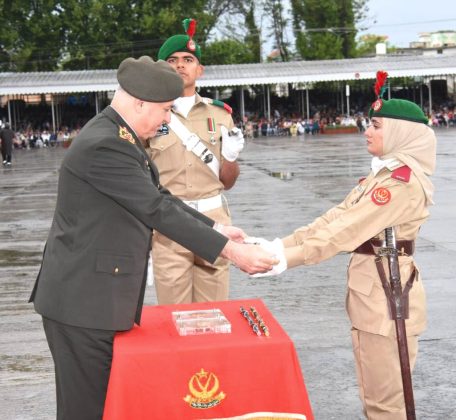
<point>276,248</point>
<point>255,256</point>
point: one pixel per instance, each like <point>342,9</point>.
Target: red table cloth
<point>158,374</point>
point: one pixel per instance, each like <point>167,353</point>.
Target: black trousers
<point>82,361</point>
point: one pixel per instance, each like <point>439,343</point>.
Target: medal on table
<point>211,129</point>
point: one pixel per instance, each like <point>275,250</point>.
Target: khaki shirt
<point>181,171</point>
<point>376,203</point>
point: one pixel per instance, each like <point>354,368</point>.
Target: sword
<point>398,307</point>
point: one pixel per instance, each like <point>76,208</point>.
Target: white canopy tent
<point>241,75</point>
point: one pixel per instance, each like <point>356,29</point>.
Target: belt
<point>205,204</point>
<point>404,247</point>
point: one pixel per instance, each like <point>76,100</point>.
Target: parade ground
<point>285,183</point>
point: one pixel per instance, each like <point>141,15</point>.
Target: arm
<point>117,170</point>
<point>355,225</point>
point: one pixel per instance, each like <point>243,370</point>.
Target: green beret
<point>149,80</point>
<point>400,109</point>
<point>179,43</point>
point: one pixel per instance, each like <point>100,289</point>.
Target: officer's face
<point>188,67</point>
<point>374,137</point>
<point>151,115</point>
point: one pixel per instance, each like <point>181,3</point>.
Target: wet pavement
<point>285,183</point>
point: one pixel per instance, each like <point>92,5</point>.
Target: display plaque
<point>209,321</point>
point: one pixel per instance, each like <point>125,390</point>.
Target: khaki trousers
<point>379,374</point>
<point>182,277</point>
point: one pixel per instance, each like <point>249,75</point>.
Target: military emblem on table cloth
<point>126,135</point>
<point>381,196</point>
<point>204,390</point>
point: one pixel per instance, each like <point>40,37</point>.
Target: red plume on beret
<point>379,84</point>
<point>190,27</point>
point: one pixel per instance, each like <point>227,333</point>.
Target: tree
<point>31,36</point>
<point>329,27</point>
<point>278,26</point>
<point>226,51</point>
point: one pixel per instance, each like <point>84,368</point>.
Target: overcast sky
<point>402,20</point>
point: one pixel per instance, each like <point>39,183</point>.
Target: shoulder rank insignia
<point>381,196</point>
<point>402,174</point>
<point>126,135</point>
<point>221,104</point>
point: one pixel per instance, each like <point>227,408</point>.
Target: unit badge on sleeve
<point>381,196</point>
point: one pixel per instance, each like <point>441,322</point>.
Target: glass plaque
<point>208,321</point>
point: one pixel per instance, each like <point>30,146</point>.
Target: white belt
<point>205,204</point>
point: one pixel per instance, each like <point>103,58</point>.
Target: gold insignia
<point>203,387</point>
<point>126,135</point>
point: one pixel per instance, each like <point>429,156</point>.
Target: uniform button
<point>161,147</point>
<point>189,163</point>
<point>189,185</point>
<point>116,270</point>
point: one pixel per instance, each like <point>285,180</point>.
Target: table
<point>158,374</point>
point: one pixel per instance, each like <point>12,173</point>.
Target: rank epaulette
<point>402,173</point>
<point>222,105</point>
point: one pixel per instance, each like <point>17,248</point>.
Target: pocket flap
<point>115,264</point>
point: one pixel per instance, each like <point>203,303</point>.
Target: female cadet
<point>396,193</point>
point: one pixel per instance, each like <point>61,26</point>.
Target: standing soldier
<point>6,139</point>
<point>196,156</point>
<point>395,196</point>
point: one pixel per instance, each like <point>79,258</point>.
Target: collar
<point>378,164</point>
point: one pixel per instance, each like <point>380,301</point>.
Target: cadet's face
<point>374,137</point>
<point>151,116</point>
<point>188,67</point>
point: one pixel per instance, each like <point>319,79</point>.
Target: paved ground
<point>285,183</point>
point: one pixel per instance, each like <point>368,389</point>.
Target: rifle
<point>398,308</point>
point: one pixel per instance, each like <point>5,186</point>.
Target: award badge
<point>211,129</point>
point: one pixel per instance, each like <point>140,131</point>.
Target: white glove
<point>232,143</point>
<point>274,247</point>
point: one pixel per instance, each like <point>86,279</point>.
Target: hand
<point>277,248</point>
<point>232,143</point>
<point>234,233</point>
<point>249,258</point>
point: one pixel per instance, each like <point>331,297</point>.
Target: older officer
<point>92,279</point>
<point>196,158</point>
<point>397,192</point>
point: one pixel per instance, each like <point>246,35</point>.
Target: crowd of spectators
<point>280,124</point>
<point>324,119</point>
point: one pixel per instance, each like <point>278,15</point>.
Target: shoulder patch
<point>222,105</point>
<point>126,135</point>
<point>402,174</point>
<point>381,196</point>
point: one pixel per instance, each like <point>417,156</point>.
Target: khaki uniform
<point>179,275</point>
<point>376,203</point>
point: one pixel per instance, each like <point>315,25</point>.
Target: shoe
<point>8,163</point>
<point>4,162</point>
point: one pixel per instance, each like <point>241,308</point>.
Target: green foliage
<point>227,51</point>
<point>30,35</point>
<point>94,34</point>
<point>325,29</point>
